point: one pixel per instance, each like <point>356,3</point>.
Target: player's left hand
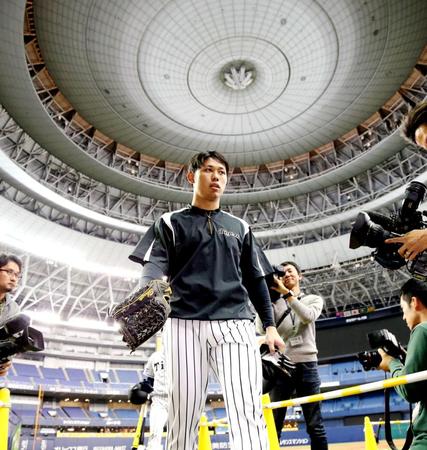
<point>273,340</point>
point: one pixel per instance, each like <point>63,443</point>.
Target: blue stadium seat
<point>210,414</point>
<point>53,412</point>
<point>75,412</point>
<point>50,373</point>
<point>98,376</point>
<point>19,379</point>
<point>76,374</point>
<point>220,413</point>
<point>127,376</point>
<point>24,410</point>
<point>27,370</point>
<point>126,413</point>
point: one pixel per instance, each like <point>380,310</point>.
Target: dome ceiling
<point>103,101</point>
<point>259,81</point>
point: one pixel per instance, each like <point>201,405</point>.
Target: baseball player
<point>154,371</point>
<point>210,259</point>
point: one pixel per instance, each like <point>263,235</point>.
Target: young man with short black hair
<point>413,301</point>
<point>210,258</point>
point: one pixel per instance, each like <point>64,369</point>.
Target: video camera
<point>373,229</point>
<point>385,340</point>
<point>16,336</point>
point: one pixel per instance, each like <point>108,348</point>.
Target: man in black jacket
<point>210,258</point>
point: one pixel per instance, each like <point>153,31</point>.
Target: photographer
<point>414,130</point>
<point>10,273</point>
<point>298,331</point>
<point>413,301</point>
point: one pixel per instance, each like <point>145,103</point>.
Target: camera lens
<point>369,359</point>
<point>414,195</point>
<point>366,232</point>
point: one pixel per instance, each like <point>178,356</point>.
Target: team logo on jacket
<point>228,233</point>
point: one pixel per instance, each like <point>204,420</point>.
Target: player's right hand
<point>273,340</point>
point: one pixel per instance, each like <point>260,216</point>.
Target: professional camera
<point>278,271</point>
<point>385,340</point>
<point>274,366</point>
<point>373,229</point>
<point>16,336</point>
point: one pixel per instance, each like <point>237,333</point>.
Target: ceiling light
<point>238,75</point>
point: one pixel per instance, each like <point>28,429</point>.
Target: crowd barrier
<point>204,435</point>
<point>354,390</point>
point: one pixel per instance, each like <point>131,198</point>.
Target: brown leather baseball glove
<point>143,312</point>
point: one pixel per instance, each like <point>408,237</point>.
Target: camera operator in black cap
<point>10,273</point>
<point>413,301</point>
<point>414,130</point>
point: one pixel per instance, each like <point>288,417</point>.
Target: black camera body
<point>278,271</point>
<point>372,229</point>
<point>16,336</point>
<point>385,340</point>
<point>274,367</point>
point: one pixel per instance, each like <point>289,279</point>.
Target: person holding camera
<point>413,301</point>
<point>10,273</point>
<point>414,130</point>
<point>297,313</point>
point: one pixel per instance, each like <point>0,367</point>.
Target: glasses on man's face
<point>12,273</point>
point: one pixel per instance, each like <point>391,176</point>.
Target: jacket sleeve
<point>260,298</point>
<point>154,247</point>
<point>254,267</point>
<point>416,361</point>
<point>308,311</point>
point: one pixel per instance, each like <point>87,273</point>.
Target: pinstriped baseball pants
<point>229,347</point>
<point>158,417</point>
